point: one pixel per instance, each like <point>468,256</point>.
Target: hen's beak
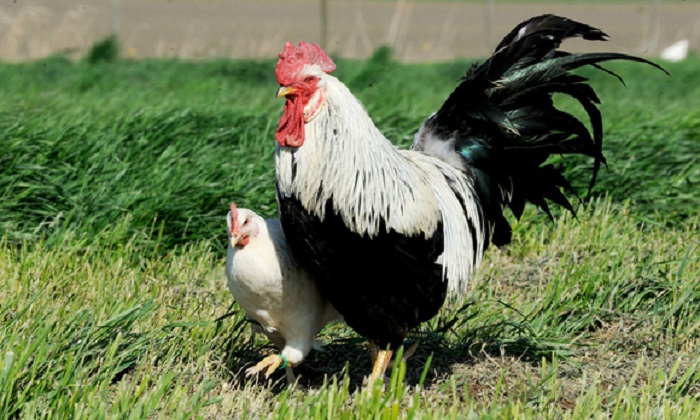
<point>233,238</point>
<point>286,90</point>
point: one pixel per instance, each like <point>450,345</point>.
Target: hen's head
<point>242,226</point>
<point>299,72</point>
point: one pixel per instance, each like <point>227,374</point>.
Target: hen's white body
<point>275,291</point>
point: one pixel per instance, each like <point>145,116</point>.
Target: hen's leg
<point>290,375</point>
<point>271,363</point>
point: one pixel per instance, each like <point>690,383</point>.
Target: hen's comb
<point>234,220</point>
<point>293,60</point>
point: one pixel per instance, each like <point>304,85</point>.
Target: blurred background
<point>417,30</point>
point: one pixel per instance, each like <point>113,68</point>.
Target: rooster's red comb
<point>294,58</point>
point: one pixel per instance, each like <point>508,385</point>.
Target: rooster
<point>273,290</point>
<point>389,233</point>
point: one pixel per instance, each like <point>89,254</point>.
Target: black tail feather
<point>503,122</point>
<point>551,25</point>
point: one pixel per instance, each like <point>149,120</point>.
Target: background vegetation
<point>115,177</point>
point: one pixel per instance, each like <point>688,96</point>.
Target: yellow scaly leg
<point>271,362</point>
<point>381,359</point>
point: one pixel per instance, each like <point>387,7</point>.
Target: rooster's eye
<point>309,79</point>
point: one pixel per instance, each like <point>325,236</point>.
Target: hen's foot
<point>271,363</point>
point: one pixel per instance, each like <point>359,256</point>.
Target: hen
<point>387,233</point>
<point>273,290</point>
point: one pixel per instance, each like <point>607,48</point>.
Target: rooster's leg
<point>373,351</point>
<point>407,353</point>
<point>380,361</point>
<point>271,362</point>
<point>410,350</point>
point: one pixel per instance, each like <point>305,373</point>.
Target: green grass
<point>114,182</point>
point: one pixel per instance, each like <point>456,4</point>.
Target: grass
<point>115,177</point>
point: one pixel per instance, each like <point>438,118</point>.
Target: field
<point>115,177</point>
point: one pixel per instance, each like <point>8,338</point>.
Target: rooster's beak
<point>286,90</point>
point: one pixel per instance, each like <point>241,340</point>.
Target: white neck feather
<point>346,158</point>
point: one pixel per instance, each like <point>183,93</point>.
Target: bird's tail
<point>505,126</point>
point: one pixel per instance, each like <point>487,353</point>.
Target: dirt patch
<point>418,30</point>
